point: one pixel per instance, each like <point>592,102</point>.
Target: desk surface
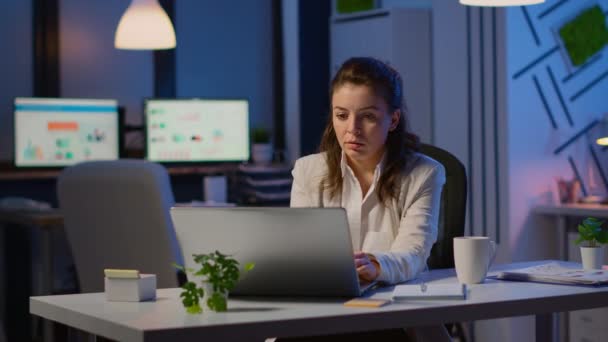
<point>41,218</point>
<point>259,318</point>
<point>25,174</point>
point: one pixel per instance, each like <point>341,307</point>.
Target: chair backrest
<point>453,207</point>
<point>116,215</point>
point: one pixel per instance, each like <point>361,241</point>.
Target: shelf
<point>264,169</point>
<point>574,209</point>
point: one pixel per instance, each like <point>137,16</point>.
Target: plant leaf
<point>602,236</point>
<point>194,309</point>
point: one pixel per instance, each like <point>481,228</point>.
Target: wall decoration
<point>351,6</point>
<point>585,35</point>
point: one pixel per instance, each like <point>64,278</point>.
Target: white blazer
<point>400,235</point>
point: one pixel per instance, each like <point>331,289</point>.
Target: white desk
<point>256,319</point>
<point>562,212</point>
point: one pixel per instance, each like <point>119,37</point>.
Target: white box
<point>131,290</point>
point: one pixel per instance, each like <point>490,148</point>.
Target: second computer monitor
<point>197,130</point>
<point>57,132</point>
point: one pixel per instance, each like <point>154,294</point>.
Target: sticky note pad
<point>117,273</point>
<point>366,303</point>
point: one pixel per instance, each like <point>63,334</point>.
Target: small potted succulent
<point>219,273</point>
<point>261,149</point>
<point>593,237</point>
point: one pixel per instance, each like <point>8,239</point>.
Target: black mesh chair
<point>453,207</point>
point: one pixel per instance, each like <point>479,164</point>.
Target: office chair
<point>2,336</point>
<point>453,207</point>
<point>451,217</point>
<point>116,215</point>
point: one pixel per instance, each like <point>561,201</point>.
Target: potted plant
<point>219,274</point>
<point>591,233</point>
<point>261,149</point>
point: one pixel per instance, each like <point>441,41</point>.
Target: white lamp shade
<point>499,3</point>
<point>144,26</point>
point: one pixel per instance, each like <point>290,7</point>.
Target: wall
<point>544,113</point>
<point>91,67</point>
<point>225,50</point>
<point>16,70</point>
<point>549,103</point>
<point>16,67</point>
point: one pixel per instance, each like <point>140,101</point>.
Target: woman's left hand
<point>367,267</point>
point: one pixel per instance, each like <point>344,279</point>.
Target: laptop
<point>296,251</point>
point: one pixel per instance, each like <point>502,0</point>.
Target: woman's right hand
<point>368,268</point>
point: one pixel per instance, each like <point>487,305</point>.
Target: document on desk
<point>555,273</point>
<point>429,291</point>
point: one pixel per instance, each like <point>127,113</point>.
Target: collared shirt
<point>399,234</point>
<point>353,200</point>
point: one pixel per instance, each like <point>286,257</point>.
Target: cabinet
<point>586,325</point>
<point>401,37</point>
<point>262,185</point>
<point>583,325</point>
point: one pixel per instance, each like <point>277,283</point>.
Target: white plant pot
<point>208,288</point>
<point>261,153</point>
<point>592,257</point>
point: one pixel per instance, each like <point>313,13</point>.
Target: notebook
<point>429,291</point>
<point>296,251</point>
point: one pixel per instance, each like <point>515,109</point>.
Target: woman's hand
<point>367,266</point>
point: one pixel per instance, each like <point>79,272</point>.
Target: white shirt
<point>401,234</point>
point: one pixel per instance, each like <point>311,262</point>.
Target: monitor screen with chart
<point>57,132</point>
<point>196,130</point>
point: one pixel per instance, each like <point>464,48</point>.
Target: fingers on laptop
<point>367,272</point>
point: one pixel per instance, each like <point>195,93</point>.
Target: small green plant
<point>590,230</point>
<point>218,270</point>
<point>260,135</point>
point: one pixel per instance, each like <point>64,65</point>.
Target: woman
<point>369,165</point>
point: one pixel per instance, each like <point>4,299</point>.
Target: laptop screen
<point>296,251</point>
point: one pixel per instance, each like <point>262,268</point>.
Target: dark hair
<point>400,143</point>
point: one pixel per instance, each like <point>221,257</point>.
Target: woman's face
<point>361,120</point>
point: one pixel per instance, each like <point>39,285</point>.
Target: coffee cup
<point>473,256</point>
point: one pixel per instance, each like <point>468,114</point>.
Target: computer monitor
<point>196,130</point>
<point>56,132</point>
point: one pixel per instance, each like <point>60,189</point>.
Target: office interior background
<point>492,85</point>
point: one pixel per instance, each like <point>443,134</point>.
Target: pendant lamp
<point>145,26</point>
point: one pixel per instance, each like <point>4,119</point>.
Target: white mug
<point>473,256</point>
<point>215,189</point>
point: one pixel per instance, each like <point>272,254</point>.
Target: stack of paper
<point>553,272</point>
<point>429,291</point>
